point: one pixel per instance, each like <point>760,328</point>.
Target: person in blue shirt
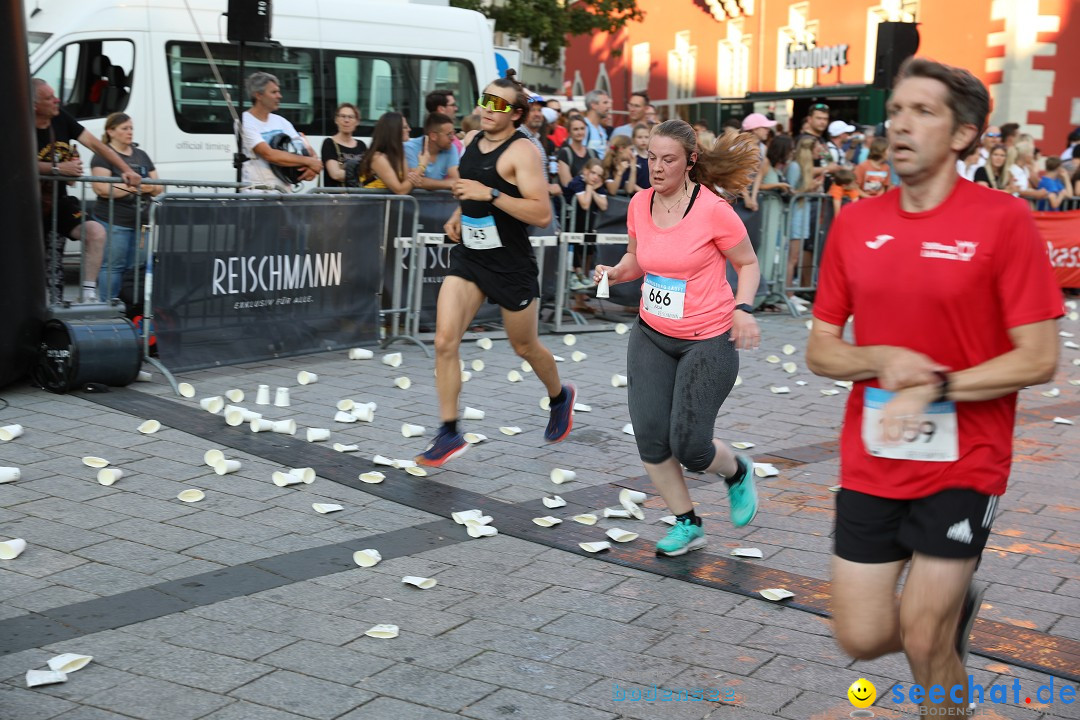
<point>1056,183</point>
<point>432,158</point>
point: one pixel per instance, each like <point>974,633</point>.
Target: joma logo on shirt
<point>963,250</point>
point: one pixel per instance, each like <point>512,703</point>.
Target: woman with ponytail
<point>681,359</point>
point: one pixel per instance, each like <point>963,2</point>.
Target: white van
<point>143,57</point>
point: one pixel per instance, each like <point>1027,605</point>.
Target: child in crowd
<point>641,156</point>
<point>1056,182</point>
<point>872,175</point>
<point>588,198</point>
<point>843,187</point>
<point>620,173</point>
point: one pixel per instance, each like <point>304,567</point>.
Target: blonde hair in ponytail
<point>729,164</point>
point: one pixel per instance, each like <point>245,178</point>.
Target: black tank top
<point>516,252</point>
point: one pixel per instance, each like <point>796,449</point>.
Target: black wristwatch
<point>745,308</point>
<point>494,195</point>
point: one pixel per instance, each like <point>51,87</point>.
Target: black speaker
<point>249,20</point>
<point>896,42</point>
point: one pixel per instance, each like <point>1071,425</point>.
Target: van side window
<point>92,78</point>
<point>197,101</point>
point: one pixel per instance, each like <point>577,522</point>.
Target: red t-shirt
<point>686,273</point>
<point>949,283</point>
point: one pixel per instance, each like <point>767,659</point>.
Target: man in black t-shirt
<point>57,132</point>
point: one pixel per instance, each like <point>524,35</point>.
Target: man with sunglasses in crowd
<point>442,101</point>
<point>432,157</point>
<point>990,138</point>
<point>502,191</point>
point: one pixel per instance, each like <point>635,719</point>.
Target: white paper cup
<point>421,582</point>
<point>342,447</point>
<point>392,359</point>
<point>595,547</point>
<point>224,467</point>
<point>383,632</point>
<point>262,425</point>
<point>372,478</point>
<point>236,416</point>
<point>569,340</point>
<point>367,558</point>
<point>10,432</point>
<point>281,397</point>
<point>484,343</point>
<point>345,404</point>
<point>619,535</point>
<point>618,380</point>
<point>578,356</point>
<point>318,434</point>
<point>235,395</point>
<point>364,412</point>
<point>510,430</point>
<point>107,476</point>
<point>95,462</point>
<point>149,427</point>
<point>466,376</point>
<point>545,403</point>
<point>283,479</point>
<point>416,471</point>
<point>472,414</point>
<point>622,328</point>
<point>186,389</point>
<point>11,549</point>
<point>403,382</point>
<point>262,397</point>
<point>323,508</point>
<point>585,519</point>
<point>9,474</point>
<point>628,428</point>
<point>514,376</point>
<point>144,376</point>
<point>383,460</point>
<point>479,531</point>
<point>776,594</point>
<point>37,678</point>
<point>611,512</point>
<point>69,662</point>
<point>554,501</point>
<point>409,430</point>
<point>360,354</point>
<point>635,496</point>
<point>602,287</point>
<point>463,516</point>
<point>213,404</point>
<point>285,427</point>
<point>547,521</point>
<point>211,457</point>
<point>306,378</point>
<point>306,474</point>
<point>474,438</point>
<point>526,366</point>
<point>344,417</point>
<point>477,365</point>
<point>560,476</point>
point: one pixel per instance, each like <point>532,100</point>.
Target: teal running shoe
<point>681,539</point>
<point>742,496</point>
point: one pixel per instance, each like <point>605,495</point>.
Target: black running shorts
<point>511,290</point>
<point>950,524</point>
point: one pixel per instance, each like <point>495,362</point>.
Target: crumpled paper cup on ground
<point>95,462</point>
<point>553,501</point>
<point>620,535</point>
<point>323,508</point>
<point>585,519</point>
<point>10,432</point>
<point>547,521</point>
<point>403,382</point>
<point>776,594</point>
<point>421,582</point>
<point>369,557</point>
<point>344,417</point>
<point>610,512</point>
<point>364,412</point>
<point>9,474</point>
<point>383,632</point>
<point>11,549</point>
<point>595,547</point>
<point>473,438</point>
<point>37,678</point>
<point>342,447</point>
<point>69,662</point>
<point>372,478</point>
<point>191,496</point>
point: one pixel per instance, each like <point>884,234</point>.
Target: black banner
<point>248,277</point>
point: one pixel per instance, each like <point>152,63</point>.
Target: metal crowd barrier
<point>780,217</point>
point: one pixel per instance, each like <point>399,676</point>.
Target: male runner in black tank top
<point>502,190</point>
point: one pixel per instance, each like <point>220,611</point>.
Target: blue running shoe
<point>562,416</point>
<point>681,539</point>
<point>742,496</point>
<point>445,446</point>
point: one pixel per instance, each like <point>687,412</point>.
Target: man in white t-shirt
<point>260,127</point>
<point>839,132</point>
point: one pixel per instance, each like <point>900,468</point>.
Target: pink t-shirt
<point>686,294</point>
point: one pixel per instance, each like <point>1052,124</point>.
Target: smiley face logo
<point>862,693</point>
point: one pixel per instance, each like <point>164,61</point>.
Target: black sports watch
<point>745,308</point>
<point>494,195</point>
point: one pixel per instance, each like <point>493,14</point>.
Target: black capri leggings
<point>676,388</point>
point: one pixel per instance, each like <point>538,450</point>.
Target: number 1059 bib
<point>663,297</point>
<point>931,436</point>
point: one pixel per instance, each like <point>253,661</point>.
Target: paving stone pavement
<point>514,629</point>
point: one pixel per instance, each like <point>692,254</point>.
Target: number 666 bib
<point>931,436</point>
<point>663,297</point>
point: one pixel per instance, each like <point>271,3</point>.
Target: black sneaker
<point>561,419</point>
<point>972,602</point>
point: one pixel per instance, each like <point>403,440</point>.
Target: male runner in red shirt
<point>954,303</point>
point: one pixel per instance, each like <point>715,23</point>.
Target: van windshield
<point>34,40</point>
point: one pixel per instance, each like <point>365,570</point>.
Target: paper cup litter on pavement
<point>360,354</point>
<point>479,531</point>
<point>478,521</point>
<point>764,470</point>
<point>284,479</point>
<point>306,378</point>
<point>346,404</point>
<point>262,425</point>
<point>788,349</point>
<point>11,549</point>
<point>107,476</point>
<point>742,445</point>
<point>477,365</point>
<point>569,340</point>
<point>235,395</point>
<point>471,413</point>
<point>409,430</point>
<point>484,343</point>
<point>634,496</point>
<point>186,389</point>
<point>364,412</point>
<point>416,471</point>
<point>284,427</point>
<point>392,359</point>
<point>610,512</point>
<point>383,460</point>
<point>545,403</point>
<point>553,501</point>
<point>772,358</point>
<point>342,447</point>
<point>306,474</point>
<point>790,368</point>
<point>383,632</point>
<point>512,430</point>
<point>344,417</point>
<point>213,404</point>
<point>578,356</point>
<point>1063,421</point>
<point>367,558</point>
<point>463,516</point>
<point>780,390</point>
<point>372,478</point>
<point>95,462</point>
<point>144,376</point>
<point>669,519</point>
<point>547,521</point>
<point>211,457</point>
<point>149,427</point>
<point>585,519</point>
<point>473,438</point>
<point>421,582</point>
<point>403,382</point>
<point>10,432</point>
<point>622,328</point>
<point>603,287</point>
<point>619,535</point>
<point>582,407</point>
<point>526,366</point>
<point>514,376</point>
<point>560,476</point>
<point>191,496</point>
<point>224,467</point>
<point>776,594</point>
<point>747,552</point>
<point>830,391</point>
<point>262,397</point>
<point>628,428</point>
<point>618,380</point>
<point>9,474</point>
<point>37,678</point>
<point>595,547</point>
<point>631,507</point>
<point>69,662</point>
<point>318,434</point>
<point>323,508</point>
<point>281,397</point>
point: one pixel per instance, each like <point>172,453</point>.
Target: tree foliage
<point>548,23</point>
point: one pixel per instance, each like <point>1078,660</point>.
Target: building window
<point>603,82</point>
<point>682,67</point>
<point>887,11</point>
<point>639,64</point>
<point>799,31</point>
<point>733,61</point>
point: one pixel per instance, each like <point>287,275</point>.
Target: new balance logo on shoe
<point>960,532</point>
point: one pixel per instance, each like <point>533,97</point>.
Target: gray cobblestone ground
<point>514,629</point>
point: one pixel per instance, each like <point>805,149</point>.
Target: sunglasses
<point>819,106</point>
<point>993,134</point>
<point>495,103</point>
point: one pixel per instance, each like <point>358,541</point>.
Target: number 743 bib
<point>663,297</point>
<point>931,436</point>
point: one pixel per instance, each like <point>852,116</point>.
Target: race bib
<point>663,297</point>
<point>480,233</point>
<point>931,436</point>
